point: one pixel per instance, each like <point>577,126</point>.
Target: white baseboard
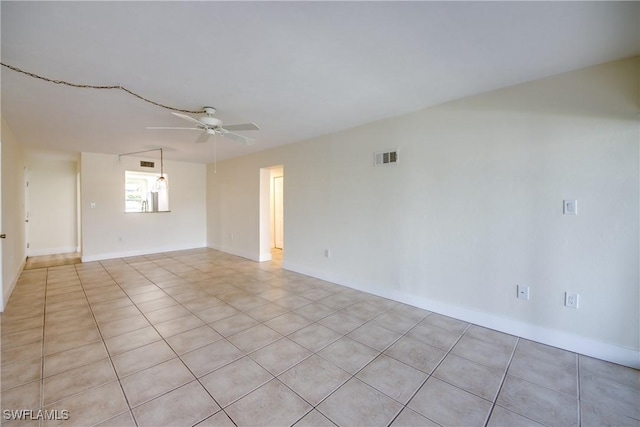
<point>265,257</point>
<point>52,251</point>
<point>7,291</point>
<point>556,338</point>
<point>139,252</point>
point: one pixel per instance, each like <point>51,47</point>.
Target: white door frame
<point>266,211</point>
<point>1,240</point>
<point>26,210</point>
<point>278,212</point>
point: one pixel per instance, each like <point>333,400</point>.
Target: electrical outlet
<point>523,292</point>
<point>571,299</point>
<point>327,253</point>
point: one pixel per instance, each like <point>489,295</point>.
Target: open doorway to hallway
<point>52,204</point>
<point>272,241</point>
<point>277,212</point>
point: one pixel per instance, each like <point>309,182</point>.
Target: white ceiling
<point>297,69</point>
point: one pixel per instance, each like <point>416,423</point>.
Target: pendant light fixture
<point>161,182</point>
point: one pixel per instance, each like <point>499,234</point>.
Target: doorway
<point>278,212</point>
<point>272,224</point>
<point>51,203</point>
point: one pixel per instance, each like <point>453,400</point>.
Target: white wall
<point>107,232</point>
<point>473,208</point>
<point>13,247</point>
<point>52,204</point>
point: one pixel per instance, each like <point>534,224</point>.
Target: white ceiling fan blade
<point>165,128</point>
<point>242,126</point>
<point>204,137</point>
<point>189,118</point>
<point>238,138</point>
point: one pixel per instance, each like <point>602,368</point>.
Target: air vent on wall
<point>144,164</point>
<point>385,158</point>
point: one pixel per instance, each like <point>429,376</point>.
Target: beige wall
<point>13,247</point>
<point>473,208</point>
<point>107,232</point>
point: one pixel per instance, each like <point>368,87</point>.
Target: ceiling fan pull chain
<point>215,154</point>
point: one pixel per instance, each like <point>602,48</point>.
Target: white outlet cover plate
<point>571,299</point>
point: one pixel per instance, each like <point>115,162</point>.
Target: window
<point>142,193</point>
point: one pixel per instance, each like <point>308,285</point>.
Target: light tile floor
<point>203,337</point>
<point>52,260</point>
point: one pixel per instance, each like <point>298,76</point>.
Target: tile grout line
<point>579,391</point>
<point>43,356</point>
<point>527,381</point>
<point>314,353</point>
<point>159,334</point>
<point>222,409</point>
<point>164,339</point>
<point>368,363</point>
<point>105,348</point>
<point>435,367</point>
<point>504,378</point>
<point>196,378</point>
<point>285,336</point>
<point>294,289</point>
<point>44,326</point>
<point>115,281</point>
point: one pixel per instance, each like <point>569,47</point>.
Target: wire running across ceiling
<point>100,87</point>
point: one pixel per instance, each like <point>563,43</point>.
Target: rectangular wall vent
<point>385,158</point>
<point>146,164</point>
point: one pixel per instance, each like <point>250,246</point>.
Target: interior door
<point>278,211</point>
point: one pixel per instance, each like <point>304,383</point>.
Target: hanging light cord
<point>140,152</point>
<point>86,86</point>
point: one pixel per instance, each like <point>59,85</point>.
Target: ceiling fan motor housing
<point>210,121</point>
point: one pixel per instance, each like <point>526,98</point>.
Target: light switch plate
<point>570,207</point>
<point>523,292</point>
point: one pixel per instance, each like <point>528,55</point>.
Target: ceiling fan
<point>210,125</point>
